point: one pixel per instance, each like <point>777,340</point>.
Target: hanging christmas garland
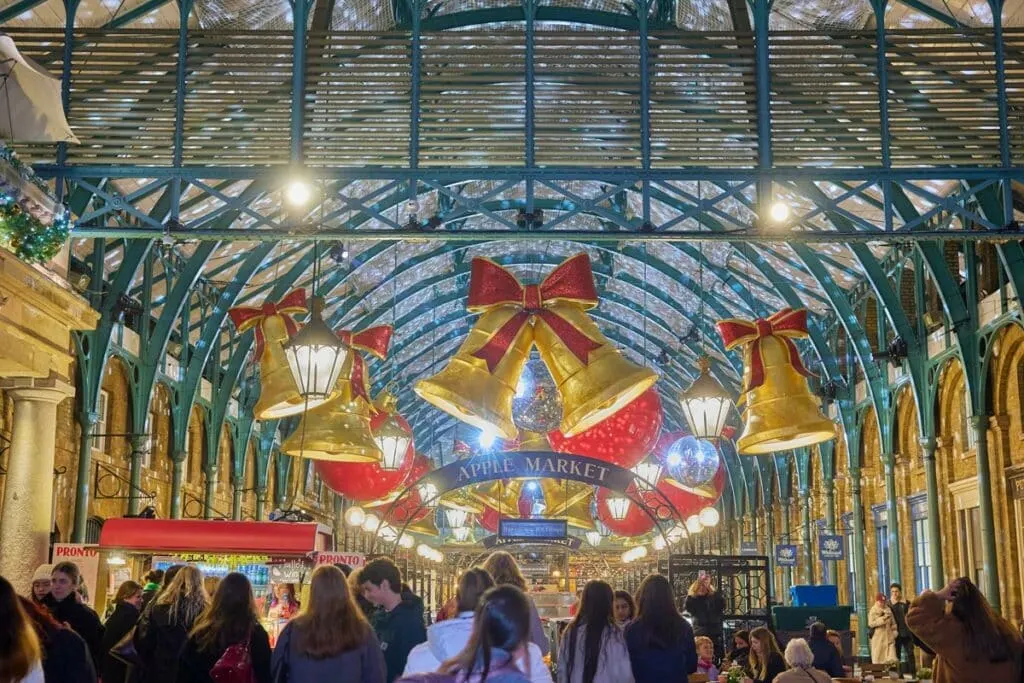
<point>28,237</point>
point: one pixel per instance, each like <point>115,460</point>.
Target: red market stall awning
<point>199,535</point>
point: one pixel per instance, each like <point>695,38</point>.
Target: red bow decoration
<point>491,285</point>
<point>786,325</point>
<point>373,340</point>
<point>246,317</point>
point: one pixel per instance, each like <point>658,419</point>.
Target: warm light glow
<point>388,532</point>
<point>315,356</point>
<point>116,560</point>
<point>618,507</point>
<point>532,486</point>
<point>593,538</point>
<point>487,437</point>
<point>406,541</point>
<point>428,494</point>
<point>423,550</point>
<point>705,404</point>
<point>556,573</point>
<point>456,518</point>
<point>647,475</point>
<point>709,517</point>
<point>677,533</point>
<point>674,459</point>
<point>461,533</point>
<point>693,524</point>
<point>355,516</point>
<point>659,542</point>
<point>371,523</point>
<point>779,211</point>
<point>298,192</point>
<point>393,441</point>
<point>640,552</point>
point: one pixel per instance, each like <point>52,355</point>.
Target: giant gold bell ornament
<point>593,378</point>
<point>273,326</point>
<point>780,412</point>
<point>339,430</point>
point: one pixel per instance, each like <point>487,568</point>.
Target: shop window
<point>99,442</point>
<point>921,541</point>
<point>881,516</point>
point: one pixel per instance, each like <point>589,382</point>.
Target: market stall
<point>275,556</point>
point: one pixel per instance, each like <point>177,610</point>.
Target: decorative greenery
<point>736,674</point>
<point>924,673</point>
<point>28,237</point>
<point>24,170</point>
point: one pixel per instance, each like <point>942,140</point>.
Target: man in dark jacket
<point>904,638</point>
<point>826,656</point>
<point>66,609</point>
<point>153,580</point>
<point>399,623</point>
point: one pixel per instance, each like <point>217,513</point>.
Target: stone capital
<point>999,423</point>
<point>49,390</point>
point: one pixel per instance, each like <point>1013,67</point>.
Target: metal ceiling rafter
<point>931,12</point>
<point>17,9</point>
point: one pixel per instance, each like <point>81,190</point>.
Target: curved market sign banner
<point>529,465</point>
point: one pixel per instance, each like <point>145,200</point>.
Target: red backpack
<point>235,665</point>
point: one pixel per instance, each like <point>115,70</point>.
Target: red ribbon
<point>373,340</point>
<point>786,325</point>
<point>572,282</point>
<point>246,317</point>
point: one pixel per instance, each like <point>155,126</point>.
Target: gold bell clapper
<point>273,326</point>
<point>477,391</point>
<point>593,378</point>
<point>779,411</point>
<point>592,388</point>
<point>338,431</point>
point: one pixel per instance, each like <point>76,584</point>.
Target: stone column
<point>27,518</point>
<point>177,477</point>
<point>261,503</point>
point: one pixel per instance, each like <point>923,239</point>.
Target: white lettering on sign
<point>353,560</point>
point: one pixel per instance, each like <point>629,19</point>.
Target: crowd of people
<point>366,626</point>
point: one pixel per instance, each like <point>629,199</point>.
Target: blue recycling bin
<point>814,596</point>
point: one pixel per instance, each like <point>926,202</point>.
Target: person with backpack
<point>501,633</point>
<point>448,638</point>
<point>398,622</point>
<point>227,644</point>
<point>593,649</point>
<point>331,640</point>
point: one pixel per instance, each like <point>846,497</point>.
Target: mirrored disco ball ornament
<point>537,406</point>
<point>692,462</point>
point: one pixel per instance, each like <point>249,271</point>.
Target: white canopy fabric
<point>30,102</point>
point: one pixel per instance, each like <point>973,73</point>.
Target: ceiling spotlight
<point>298,192</point>
<point>778,212</point>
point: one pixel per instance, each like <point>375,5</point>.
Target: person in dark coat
<point>904,637</point>
<point>399,621</point>
<point>331,640</point>
<point>660,641</point>
<point>66,609</point>
<point>365,605</point>
<point>707,607</point>
<point>231,619</point>
<point>65,656</point>
<point>165,624</point>
<point>154,579</point>
<point>740,653</point>
<point>826,656</point>
<point>127,604</point>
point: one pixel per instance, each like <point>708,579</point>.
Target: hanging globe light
<point>315,356</point>
<point>692,462</point>
<point>659,542</point>
<point>705,403</point>
<point>593,538</point>
<point>423,550</point>
<point>647,474</point>
<point>709,517</point>
<point>693,524</point>
<point>355,516</point>
<point>618,507</point>
<point>677,533</point>
<point>406,541</point>
<point>371,523</point>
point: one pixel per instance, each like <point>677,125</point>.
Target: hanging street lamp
<point>705,404</point>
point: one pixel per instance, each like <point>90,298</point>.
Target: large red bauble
<point>405,509</point>
<point>636,522</point>
<point>488,519</point>
<point>685,502</point>
<point>365,481</point>
<point>421,465</point>
<point>624,439</point>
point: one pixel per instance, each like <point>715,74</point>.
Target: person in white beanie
<point>41,583</point>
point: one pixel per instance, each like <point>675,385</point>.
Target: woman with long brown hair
<point>21,658</point>
<point>504,569</point>
<point>766,660</point>
<point>164,626</point>
<point>127,604</point>
<point>972,643</point>
<point>331,640</point>
<point>593,648</point>
<point>660,641</point>
<point>227,636</point>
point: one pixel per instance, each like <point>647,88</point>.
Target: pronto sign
<point>354,560</point>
